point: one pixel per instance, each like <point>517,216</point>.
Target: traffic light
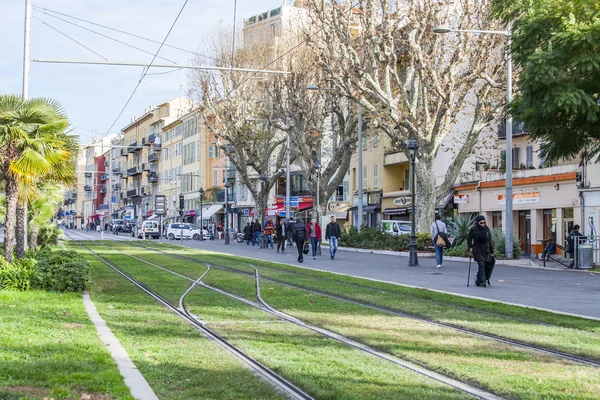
<point>181,202</point>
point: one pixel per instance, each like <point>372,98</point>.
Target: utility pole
<point>25,93</point>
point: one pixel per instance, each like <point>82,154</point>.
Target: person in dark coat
<point>333,233</point>
<point>479,241</point>
<point>299,235</point>
<point>283,233</point>
<point>571,241</point>
<point>248,233</point>
<point>256,233</point>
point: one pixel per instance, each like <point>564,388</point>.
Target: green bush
<point>17,276</point>
<point>49,235</point>
<point>499,239</point>
<point>62,271</point>
<point>459,228</point>
<point>458,251</point>
<point>371,238</point>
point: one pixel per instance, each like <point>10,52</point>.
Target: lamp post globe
<point>412,147</point>
<point>201,193</point>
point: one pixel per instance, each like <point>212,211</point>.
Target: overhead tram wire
<point>123,32</point>
<point>69,37</point>
<point>108,37</point>
<point>147,68</point>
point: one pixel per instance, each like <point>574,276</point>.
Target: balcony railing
<point>152,177</point>
<point>153,158</point>
<point>518,128</point>
<point>133,147</point>
<point>117,171</point>
<point>103,189</point>
<point>151,138</point>
<point>145,167</point>
<point>133,192</point>
<point>87,188</point>
<point>134,171</point>
<point>104,177</point>
<point>106,163</point>
<point>145,142</point>
<point>87,174</point>
<point>116,186</point>
<point>156,146</point>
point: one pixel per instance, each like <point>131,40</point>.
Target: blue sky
<point>94,95</point>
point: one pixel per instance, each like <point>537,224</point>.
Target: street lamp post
<point>181,199</point>
<point>262,245</point>
<point>508,223</point>
<point>143,225</point>
<point>201,193</point>
<point>317,166</point>
<point>227,186</point>
<point>412,258</point>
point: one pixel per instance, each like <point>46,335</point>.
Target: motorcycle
<point>239,237</point>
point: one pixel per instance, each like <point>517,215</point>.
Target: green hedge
<point>371,238</point>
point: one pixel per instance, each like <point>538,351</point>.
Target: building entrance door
<point>525,231</point>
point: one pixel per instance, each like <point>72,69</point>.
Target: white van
<point>150,229</point>
<point>189,231</point>
<point>395,227</point>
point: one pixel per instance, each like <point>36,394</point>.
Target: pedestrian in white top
<point>437,228</point>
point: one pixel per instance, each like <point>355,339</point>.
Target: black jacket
<point>256,227</point>
<point>279,230</point>
<point>480,240</point>
<point>299,231</point>
<point>333,229</point>
<point>571,240</point>
<point>248,232</point>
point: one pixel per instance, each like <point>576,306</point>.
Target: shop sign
<point>520,198</point>
<point>461,199</point>
<point>159,205</point>
<point>402,201</point>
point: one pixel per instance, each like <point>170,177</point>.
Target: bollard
<point>102,235</point>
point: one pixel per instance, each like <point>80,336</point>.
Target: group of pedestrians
<point>296,232</point>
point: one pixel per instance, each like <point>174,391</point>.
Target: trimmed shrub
<point>17,276</point>
<point>371,238</point>
<point>458,251</point>
<point>499,239</point>
<point>61,271</point>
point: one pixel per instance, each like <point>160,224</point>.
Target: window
<point>516,162</point>
<point>213,151</point>
<point>375,178</point>
<point>364,177</point>
<point>406,183</point>
<point>215,177</point>
<point>375,140</point>
<point>365,145</point>
<point>345,192</point>
<point>529,156</point>
<point>354,178</point>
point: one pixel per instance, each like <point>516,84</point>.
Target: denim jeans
<point>439,254</point>
<point>314,242</point>
<point>268,241</point>
<point>333,245</point>
<point>255,238</point>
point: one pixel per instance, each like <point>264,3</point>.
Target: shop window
<point>529,156</point>
<point>497,219</point>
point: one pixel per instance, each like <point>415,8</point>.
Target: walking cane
<point>469,275</point>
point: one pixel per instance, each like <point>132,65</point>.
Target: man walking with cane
<point>332,234</point>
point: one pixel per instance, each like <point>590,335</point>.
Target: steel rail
<point>532,347</point>
<point>270,376</point>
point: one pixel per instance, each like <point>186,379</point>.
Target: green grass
<point>177,361</point>
<point>321,366</point>
<point>49,348</point>
<point>570,334</point>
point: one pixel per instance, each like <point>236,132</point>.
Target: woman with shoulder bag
<point>438,233</point>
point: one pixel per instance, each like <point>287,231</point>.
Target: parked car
<point>395,227</point>
<point>189,231</point>
<point>121,226</point>
<point>150,229</point>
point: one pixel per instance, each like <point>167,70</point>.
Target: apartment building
<point>94,190</point>
<point>136,164</point>
<point>73,209</point>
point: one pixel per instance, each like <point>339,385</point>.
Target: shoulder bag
<point>440,242</point>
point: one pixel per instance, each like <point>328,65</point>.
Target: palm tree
<point>42,209</point>
<point>29,148</point>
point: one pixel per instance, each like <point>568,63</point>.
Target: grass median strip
<point>564,333</point>
<point>49,349</point>
<point>177,360</point>
<point>321,366</point>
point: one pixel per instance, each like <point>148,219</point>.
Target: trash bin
<point>585,256</point>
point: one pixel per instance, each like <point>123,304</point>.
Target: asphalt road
<point>566,291</point>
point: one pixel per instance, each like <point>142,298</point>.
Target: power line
<point>146,70</point>
<point>124,32</point>
<point>69,37</point>
<point>106,36</point>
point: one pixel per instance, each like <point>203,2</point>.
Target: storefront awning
<point>446,199</point>
<point>353,208</point>
<point>94,216</point>
<point>372,208</point>
<point>397,211</point>
<point>336,214</point>
<point>208,212</point>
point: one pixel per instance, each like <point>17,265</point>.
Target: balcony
<point>230,173</point>
<point>145,142</point>
<point>103,189</point>
<point>153,158</point>
<point>116,186</point>
<point>394,158</point>
<point>133,192</point>
<point>117,171</point>
<point>87,188</point>
<point>124,152</point>
<point>104,177</point>
<point>134,171</point>
<point>145,167</point>
<point>106,163</point>
<point>88,175</point>
<point>152,177</point>
<point>151,138</point>
<point>156,146</point>
<point>518,129</point>
<point>133,147</point>
<point>144,191</point>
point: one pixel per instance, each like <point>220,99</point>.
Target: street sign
<point>294,201</point>
<point>283,215</point>
<point>113,199</point>
<point>159,205</point>
<point>246,212</point>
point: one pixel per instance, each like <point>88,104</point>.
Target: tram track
<point>274,379</point>
<point>528,346</point>
<point>265,307</point>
